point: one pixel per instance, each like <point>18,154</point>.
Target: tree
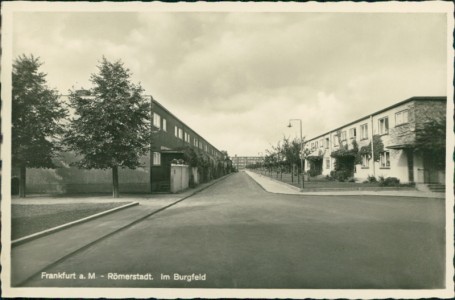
<point>431,139</point>
<point>36,118</point>
<point>291,151</point>
<point>111,128</point>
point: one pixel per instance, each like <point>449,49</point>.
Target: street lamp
<point>301,147</point>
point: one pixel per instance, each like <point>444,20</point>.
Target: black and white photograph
<point>227,150</point>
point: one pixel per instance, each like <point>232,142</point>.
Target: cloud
<point>237,78</point>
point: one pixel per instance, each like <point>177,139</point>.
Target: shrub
<point>341,175</point>
<point>313,173</point>
<point>191,183</point>
<point>177,161</point>
<point>371,179</point>
<point>389,181</point>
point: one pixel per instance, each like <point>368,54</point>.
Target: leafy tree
<point>291,151</point>
<point>190,156</point>
<point>111,128</point>
<point>36,116</point>
<point>227,162</point>
<point>285,153</point>
<point>431,139</point>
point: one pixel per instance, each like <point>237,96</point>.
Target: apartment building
<point>241,162</point>
<point>171,138</point>
<point>390,133</point>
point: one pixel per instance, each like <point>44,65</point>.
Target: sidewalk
<point>143,199</point>
<point>31,258</point>
<point>278,187</point>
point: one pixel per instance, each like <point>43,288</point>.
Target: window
<point>164,124</point>
<point>385,159</point>
<point>364,132</point>
<point>343,135</point>
<point>316,144</point>
<point>384,125</point>
<point>156,158</point>
<point>200,145</point>
<point>365,161</point>
<point>353,133</point>
<point>176,131</point>
<point>156,120</point>
<point>206,148</point>
<point>180,133</point>
<point>327,142</point>
<point>321,143</point>
<point>335,140</point>
<point>187,137</point>
<point>312,146</point>
<point>401,117</point>
<point>327,163</point>
<point>195,142</point>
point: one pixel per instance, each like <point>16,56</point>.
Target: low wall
<point>72,180</point>
<point>180,178</point>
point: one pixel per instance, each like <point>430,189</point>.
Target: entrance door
<point>160,175</point>
<point>430,169</point>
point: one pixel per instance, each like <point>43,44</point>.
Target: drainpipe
<point>330,150</point>
<point>151,144</point>
<point>372,145</point>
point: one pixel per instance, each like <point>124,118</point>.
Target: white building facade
<point>381,144</point>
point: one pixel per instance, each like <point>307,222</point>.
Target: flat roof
<point>166,110</point>
<point>154,101</point>
<point>419,98</point>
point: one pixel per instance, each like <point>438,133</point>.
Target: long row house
<point>383,143</point>
<point>165,169</point>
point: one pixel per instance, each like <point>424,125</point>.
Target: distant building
<point>241,162</point>
<point>171,138</point>
<point>396,127</point>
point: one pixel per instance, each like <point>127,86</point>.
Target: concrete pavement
<point>275,186</point>
<point>34,256</point>
<point>236,235</point>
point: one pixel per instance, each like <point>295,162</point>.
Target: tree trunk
<point>22,176</point>
<point>115,192</point>
<point>292,173</point>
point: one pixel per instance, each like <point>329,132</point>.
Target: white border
<point>8,8</point>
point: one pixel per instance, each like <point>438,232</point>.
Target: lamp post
<point>301,147</point>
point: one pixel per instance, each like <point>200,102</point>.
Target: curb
<point>69,224</point>
<point>23,282</point>
<point>296,189</point>
<point>378,194</point>
<point>334,193</point>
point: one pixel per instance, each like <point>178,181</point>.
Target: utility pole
<point>301,148</point>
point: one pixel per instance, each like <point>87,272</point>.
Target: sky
<point>237,78</point>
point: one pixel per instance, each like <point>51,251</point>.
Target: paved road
<point>240,236</point>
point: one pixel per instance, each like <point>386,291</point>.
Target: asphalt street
<point>236,235</point>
